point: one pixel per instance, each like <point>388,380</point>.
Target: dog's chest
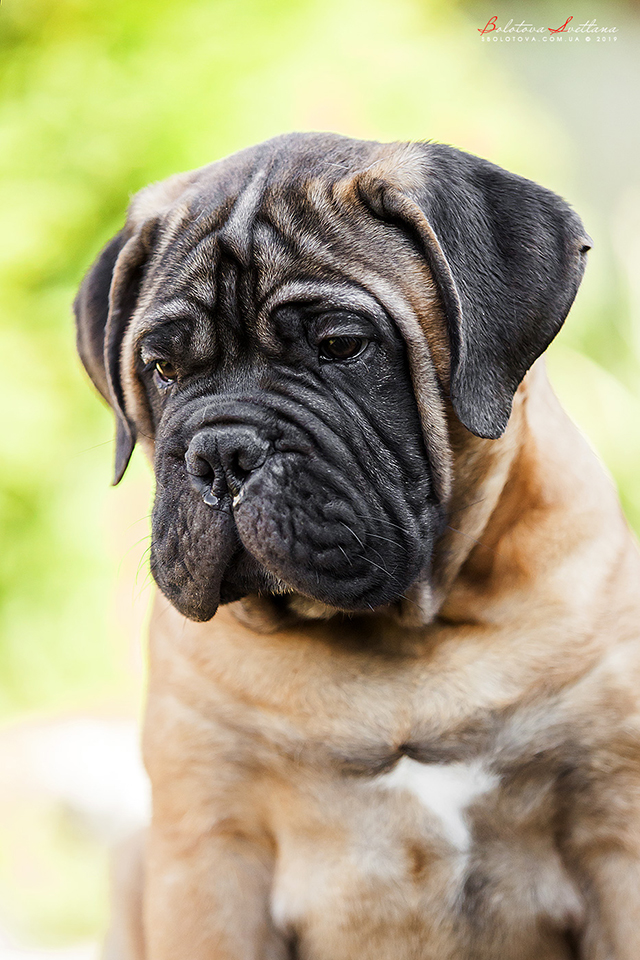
<point>444,791</point>
<point>408,863</point>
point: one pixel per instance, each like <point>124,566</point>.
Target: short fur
<point>410,732</point>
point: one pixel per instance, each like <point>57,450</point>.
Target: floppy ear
<point>103,307</point>
<point>108,296</point>
<point>507,256</point>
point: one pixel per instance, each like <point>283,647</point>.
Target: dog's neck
<point>526,509</point>
<point>482,470</point>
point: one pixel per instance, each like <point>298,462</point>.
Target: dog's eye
<point>341,348</point>
<point>165,371</point>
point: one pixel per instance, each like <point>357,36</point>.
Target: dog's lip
<point>257,579</point>
<point>257,553</point>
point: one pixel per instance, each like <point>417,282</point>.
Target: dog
<point>393,708</point>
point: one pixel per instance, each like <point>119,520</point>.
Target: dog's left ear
<point>507,256</point>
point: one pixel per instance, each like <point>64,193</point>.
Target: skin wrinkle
<point>331,446</point>
<point>372,438</point>
<point>328,450</point>
<point>427,393</point>
<point>429,405</point>
<point>367,433</point>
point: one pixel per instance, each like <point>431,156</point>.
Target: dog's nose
<point>241,452</point>
<point>223,458</point>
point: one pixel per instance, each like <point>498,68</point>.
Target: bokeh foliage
<point>100,98</point>
<point>97,99</point>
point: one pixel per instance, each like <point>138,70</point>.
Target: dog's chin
<point>246,577</point>
<point>197,592</point>
<point>198,599</point>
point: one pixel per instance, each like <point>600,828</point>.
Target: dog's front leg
<point>206,898</point>
<point>603,847</point>
<point>612,922</point>
<point>209,854</point>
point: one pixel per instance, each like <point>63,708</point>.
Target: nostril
<point>237,471</point>
<point>242,452</point>
<point>202,477</point>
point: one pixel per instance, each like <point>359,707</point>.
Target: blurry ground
<point>71,782</point>
<point>69,789</point>
<point>10,951</point>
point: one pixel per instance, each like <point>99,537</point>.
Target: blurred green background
<point>99,98</point>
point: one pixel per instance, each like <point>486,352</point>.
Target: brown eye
<point>166,371</point>
<point>341,348</point>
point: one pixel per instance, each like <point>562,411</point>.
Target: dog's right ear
<point>103,307</point>
<point>109,294</point>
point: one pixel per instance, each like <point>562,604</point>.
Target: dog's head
<point>285,329</point>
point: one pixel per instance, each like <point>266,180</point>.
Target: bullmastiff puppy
<point>394,687</point>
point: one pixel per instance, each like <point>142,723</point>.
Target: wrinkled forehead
<point>250,227</point>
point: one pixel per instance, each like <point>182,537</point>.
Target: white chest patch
<point>445,789</point>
